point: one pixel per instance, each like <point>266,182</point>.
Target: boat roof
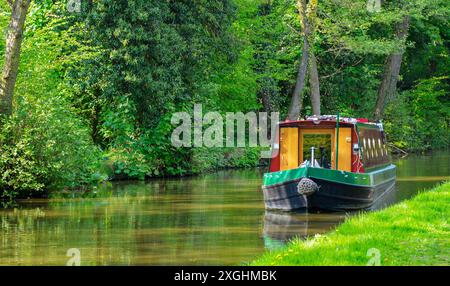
<point>330,120</point>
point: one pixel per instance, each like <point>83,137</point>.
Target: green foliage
<point>424,115</point>
<point>157,58</point>
<point>276,47</point>
<point>212,159</point>
<point>156,54</point>
<point>44,145</point>
<point>107,80</point>
<point>44,148</point>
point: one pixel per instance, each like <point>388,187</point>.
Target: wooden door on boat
<point>289,148</point>
<point>345,149</point>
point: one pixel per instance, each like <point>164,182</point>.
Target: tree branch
<point>341,68</point>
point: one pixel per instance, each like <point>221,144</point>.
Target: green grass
<point>414,232</point>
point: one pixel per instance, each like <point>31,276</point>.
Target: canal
<point>214,219</point>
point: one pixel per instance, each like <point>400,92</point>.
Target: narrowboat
<point>328,163</point>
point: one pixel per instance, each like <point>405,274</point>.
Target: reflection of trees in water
<point>208,218</point>
<point>159,222</point>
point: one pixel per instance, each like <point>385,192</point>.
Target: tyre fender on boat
<point>307,187</point>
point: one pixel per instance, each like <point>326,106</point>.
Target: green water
<point>215,219</point>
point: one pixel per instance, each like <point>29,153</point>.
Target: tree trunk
<point>19,9</point>
<point>391,73</point>
<point>267,105</point>
<point>296,100</point>
<point>315,85</point>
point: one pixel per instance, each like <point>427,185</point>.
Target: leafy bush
<point>151,154</point>
<point>44,147</point>
<point>211,159</point>
<point>418,119</point>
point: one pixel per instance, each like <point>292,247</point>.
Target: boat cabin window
<point>323,148</point>
<point>374,149</point>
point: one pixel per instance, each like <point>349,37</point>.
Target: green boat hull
<point>337,190</point>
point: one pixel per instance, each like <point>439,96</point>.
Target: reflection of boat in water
<point>280,228</point>
<point>389,197</point>
<point>352,170</point>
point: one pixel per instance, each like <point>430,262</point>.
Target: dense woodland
<point>96,86</point>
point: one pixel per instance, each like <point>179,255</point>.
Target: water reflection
<point>280,228</point>
<point>388,198</point>
<point>216,219</point>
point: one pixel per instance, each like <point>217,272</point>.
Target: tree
<point>407,11</point>
<point>157,55</point>
<point>19,9</point>
<point>313,72</point>
<point>315,85</point>
<point>391,73</point>
<point>297,100</point>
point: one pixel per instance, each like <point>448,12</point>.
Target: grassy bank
<point>414,232</point>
